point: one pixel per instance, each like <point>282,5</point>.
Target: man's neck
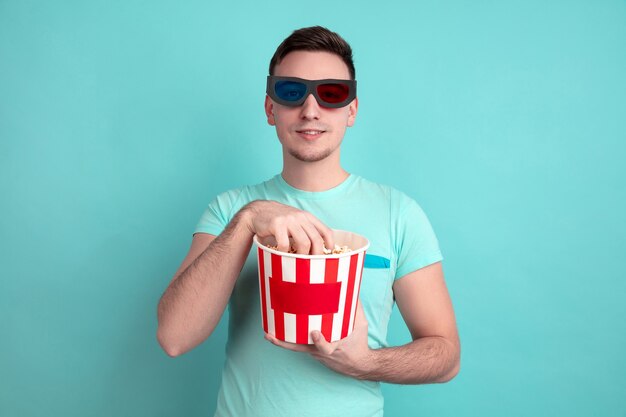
<point>313,176</point>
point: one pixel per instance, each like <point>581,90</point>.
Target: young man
<point>312,194</point>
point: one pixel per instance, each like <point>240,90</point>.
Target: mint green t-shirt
<point>260,379</point>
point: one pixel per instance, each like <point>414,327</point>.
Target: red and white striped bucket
<point>302,293</point>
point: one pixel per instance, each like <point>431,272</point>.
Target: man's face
<point>311,132</point>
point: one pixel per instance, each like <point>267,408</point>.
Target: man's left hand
<point>349,356</point>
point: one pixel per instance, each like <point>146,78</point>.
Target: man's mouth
<point>311,132</point>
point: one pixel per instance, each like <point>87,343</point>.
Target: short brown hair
<point>314,38</point>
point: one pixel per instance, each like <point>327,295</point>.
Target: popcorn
<point>335,251</point>
<point>291,249</point>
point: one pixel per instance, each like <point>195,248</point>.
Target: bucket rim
<point>255,240</point>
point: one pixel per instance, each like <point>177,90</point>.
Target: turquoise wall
<point>120,120</point>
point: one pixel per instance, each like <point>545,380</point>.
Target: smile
<point>311,132</point>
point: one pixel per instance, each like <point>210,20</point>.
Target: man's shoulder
<point>249,189</point>
<point>227,203</point>
<point>389,191</point>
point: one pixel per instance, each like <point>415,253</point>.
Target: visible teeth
<point>311,132</point>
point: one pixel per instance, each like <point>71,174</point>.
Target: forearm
<point>194,302</point>
<point>425,360</point>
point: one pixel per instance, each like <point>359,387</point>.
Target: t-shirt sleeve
<point>416,243</point>
<point>218,213</point>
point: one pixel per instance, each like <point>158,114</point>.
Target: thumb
<point>321,344</point>
<point>360,314</point>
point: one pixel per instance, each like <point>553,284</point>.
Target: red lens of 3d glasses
<point>333,93</point>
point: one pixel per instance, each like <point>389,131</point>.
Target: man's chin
<point>310,157</point>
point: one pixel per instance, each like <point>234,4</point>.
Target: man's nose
<point>310,109</point>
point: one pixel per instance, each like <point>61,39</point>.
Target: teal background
<point>120,120</point>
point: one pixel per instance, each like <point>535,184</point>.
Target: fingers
<point>322,346</point>
<point>289,346</point>
<point>317,233</point>
<point>323,231</point>
<point>282,239</point>
<point>301,240</point>
<point>290,226</point>
<point>315,238</point>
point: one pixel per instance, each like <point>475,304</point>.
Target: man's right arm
<point>196,298</point>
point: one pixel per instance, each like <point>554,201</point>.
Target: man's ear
<point>269,111</point>
<point>352,110</point>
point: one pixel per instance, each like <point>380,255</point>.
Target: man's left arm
<point>432,357</point>
<point>434,354</point>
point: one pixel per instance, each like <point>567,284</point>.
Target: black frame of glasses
<point>311,88</point>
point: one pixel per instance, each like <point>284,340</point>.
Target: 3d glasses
<point>292,91</point>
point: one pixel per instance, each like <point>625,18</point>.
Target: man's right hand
<point>193,303</point>
<point>308,234</point>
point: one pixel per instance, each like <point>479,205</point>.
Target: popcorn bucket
<point>302,293</point>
